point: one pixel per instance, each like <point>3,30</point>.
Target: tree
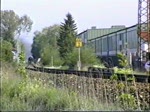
<point>53,34</point>
<point>45,45</point>
<point>68,34</point>
<point>39,41</point>
<point>12,25</point>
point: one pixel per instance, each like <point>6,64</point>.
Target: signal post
<point>78,45</point>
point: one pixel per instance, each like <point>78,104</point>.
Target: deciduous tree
<point>45,45</point>
<point>12,25</point>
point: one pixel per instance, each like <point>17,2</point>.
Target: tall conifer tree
<point>68,34</point>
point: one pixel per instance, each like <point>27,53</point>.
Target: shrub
<point>123,62</point>
<point>6,51</point>
<point>87,57</point>
<point>127,102</point>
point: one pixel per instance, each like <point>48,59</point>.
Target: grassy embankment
<point>46,92</point>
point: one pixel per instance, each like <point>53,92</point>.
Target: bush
<point>50,56</point>
<point>6,51</point>
<point>123,62</point>
<point>87,55</point>
<point>127,102</point>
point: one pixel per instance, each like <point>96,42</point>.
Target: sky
<point>86,13</point>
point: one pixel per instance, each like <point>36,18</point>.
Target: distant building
<point>94,32</point>
<point>113,41</point>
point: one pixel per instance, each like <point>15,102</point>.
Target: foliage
<point>71,93</point>
<point>127,102</point>
<point>64,68</point>
<point>87,57</point>
<point>123,62</point>
<point>45,45</point>
<point>66,41</point>
<point>50,56</point>
<point>6,51</point>
<point>38,43</point>
<point>131,79</point>
<point>21,66</point>
<point>114,77</point>
<point>12,24</point>
<point>120,86</point>
<point>99,66</point>
<point>33,95</point>
<point>123,70</point>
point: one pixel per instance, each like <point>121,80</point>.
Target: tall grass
<point>48,92</point>
<point>110,93</point>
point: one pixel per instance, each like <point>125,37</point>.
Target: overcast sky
<point>86,13</point>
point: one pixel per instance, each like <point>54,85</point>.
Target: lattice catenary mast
<point>144,29</point>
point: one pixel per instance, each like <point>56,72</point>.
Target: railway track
<point>102,73</point>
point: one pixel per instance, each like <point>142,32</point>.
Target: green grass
<point>34,95</point>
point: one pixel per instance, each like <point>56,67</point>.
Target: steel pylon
<point>143,30</point>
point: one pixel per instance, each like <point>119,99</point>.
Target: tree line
<point>55,44</point>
